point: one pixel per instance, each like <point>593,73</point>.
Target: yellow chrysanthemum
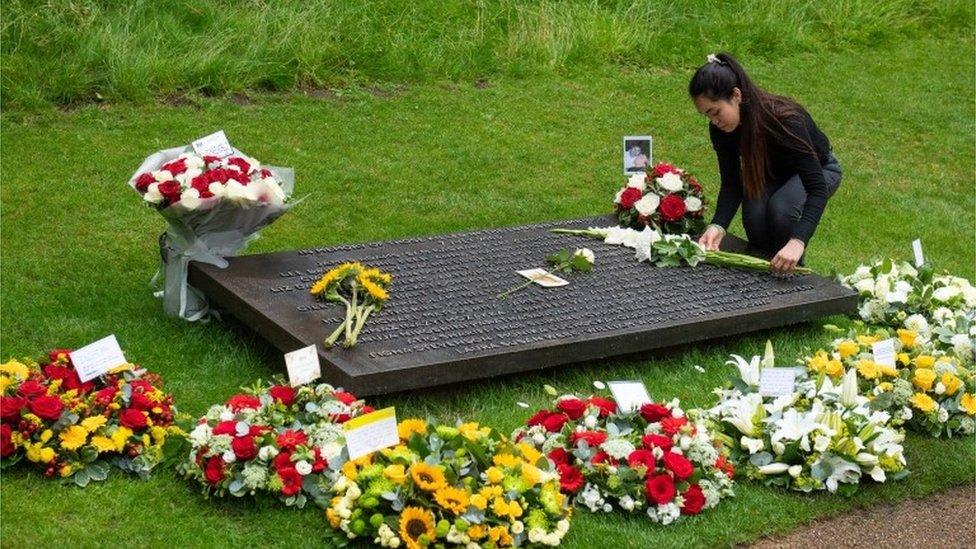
<point>473,431</point>
<point>65,471</point>
<point>92,423</point>
<point>4,383</point>
<point>907,337</point>
<point>46,435</point>
<point>408,427</point>
<point>531,475</point>
<point>489,492</point>
<point>73,437</point>
<point>505,460</point>
<point>507,509</point>
<point>924,361</point>
<point>923,402</point>
<point>866,340</point>
<point>904,359</point>
<point>500,535</point>
<point>476,532</point>
<point>15,368</point>
<point>427,477</point>
<point>350,471</point>
<point>479,501</point>
<point>47,455</point>
<point>127,367</point>
<point>529,453</point>
<point>397,474</point>
<point>120,437</point>
<point>952,383</point>
<point>103,444</point>
<point>333,517</point>
<point>415,523</point>
<point>452,499</point>
<point>868,369</point>
<point>968,403</point>
<point>924,378</point>
<point>887,370</point>
<point>494,474</point>
<point>847,348</point>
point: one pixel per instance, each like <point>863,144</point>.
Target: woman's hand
<point>711,238</point>
<point>787,258</point>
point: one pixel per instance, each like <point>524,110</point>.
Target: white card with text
<point>777,382</point>
<point>884,352</point>
<point>630,395</point>
<point>97,358</point>
<point>543,278</point>
<point>215,144</point>
<point>303,366</point>
<point>917,248</point>
<point>371,432</point>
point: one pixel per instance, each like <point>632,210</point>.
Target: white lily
<point>774,468</point>
<point>752,444</point>
<point>848,391</point>
<point>748,369</point>
<point>743,413</point>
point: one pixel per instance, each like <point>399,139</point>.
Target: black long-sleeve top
<point>784,161</point>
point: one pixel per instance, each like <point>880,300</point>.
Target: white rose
<point>671,182</point>
<point>918,324</point>
<point>267,453</point>
<point>587,255</point>
<point>648,204</point>
<point>303,467</point>
<point>229,456</point>
<point>693,203</point>
<point>153,196</point>
<point>862,272</point>
<point>865,286</point>
<point>945,293</point>
<point>638,181</point>
<point>226,415</point>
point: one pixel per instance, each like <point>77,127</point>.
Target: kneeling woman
<point>786,172</point>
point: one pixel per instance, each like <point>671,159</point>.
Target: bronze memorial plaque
<point>444,324</point>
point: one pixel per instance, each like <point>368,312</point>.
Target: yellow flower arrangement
<point>923,402</point>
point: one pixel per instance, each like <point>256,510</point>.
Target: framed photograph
<point>637,153</point>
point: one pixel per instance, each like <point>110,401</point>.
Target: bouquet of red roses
<point>272,439</point>
<point>77,430</point>
<point>652,460</point>
<point>664,198</point>
<point>213,206</point>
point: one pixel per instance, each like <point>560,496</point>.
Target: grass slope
<point>79,249</point>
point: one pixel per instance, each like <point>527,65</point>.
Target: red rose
<point>290,439</point>
<point>283,394</point>
<point>694,500</point>
<point>30,389</point>
<point>211,158</point>
<point>59,355</point>
<point>291,481</point>
<point>657,441</point>
<point>214,472</point>
<point>144,181</point>
<point>559,456</point>
<point>244,448</point>
<point>175,167</point>
<point>592,438</point>
<point>643,458</point>
<point>652,413</point>
<point>320,462</point>
<point>660,489</point>
<point>141,402</point>
<point>10,408</point>
<point>69,378</point>
<point>6,444</point>
<point>607,406</point>
<point>240,402</point>
<point>629,197</point>
<point>344,397</point>
<point>570,478</point>
<point>202,184</point>
<point>662,168</point>
<point>282,461</point>
<point>225,428</point>
<point>573,407</point>
<point>240,163</point>
<point>679,465</point>
<point>170,190</point>
<point>105,396</point>
<point>538,418</point>
<point>554,423</point>
<point>133,419</point>
<point>47,407</point>
<point>602,457</point>
<point>672,207</point>
<point>671,425</point>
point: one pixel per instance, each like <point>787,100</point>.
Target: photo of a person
<point>637,153</point>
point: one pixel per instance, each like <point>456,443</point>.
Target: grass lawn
<point>423,158</point>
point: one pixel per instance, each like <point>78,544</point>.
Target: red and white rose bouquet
<point>77,430</point>
<point>272,439</point>
<point>653,460</point>
<point>664,198</point>
<point>213,207</point>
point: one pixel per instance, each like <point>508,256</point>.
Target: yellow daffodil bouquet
<point>363,290</point>
<point>927,390</point>
<point>76,430</point>
<point>450,486</point>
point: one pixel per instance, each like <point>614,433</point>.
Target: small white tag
<point>97,358</point>
<point>543,278</point>
<point>917,248</point>
<point>630,395</point>
<point>215,144</point>
<point>303,366</point>
<point>884,352</point>
<point>777,382</point>
<point>371,432</point>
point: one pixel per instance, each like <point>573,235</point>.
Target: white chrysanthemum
<point>153,196</point>
<point>946,293</point>
<point>962,346</point>
<point>200,435</point>
<point>190,199</point>
<point>255,475</point>
<point>162,175</point>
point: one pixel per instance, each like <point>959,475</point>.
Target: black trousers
<point>768,219</point>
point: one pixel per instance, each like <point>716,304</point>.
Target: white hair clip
<point>713,59</point>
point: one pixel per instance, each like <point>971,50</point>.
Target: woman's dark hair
<point>761,115</point>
